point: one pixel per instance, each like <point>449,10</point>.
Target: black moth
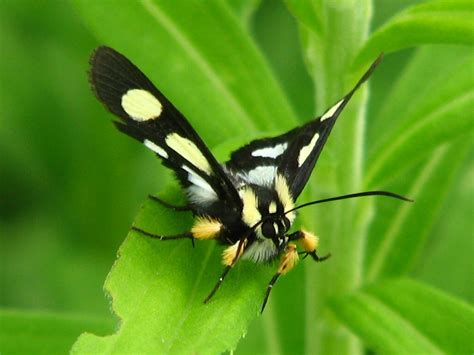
<point>247,203</point>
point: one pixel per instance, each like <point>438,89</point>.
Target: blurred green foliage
<point>61,214</point>
<point>70,185</point>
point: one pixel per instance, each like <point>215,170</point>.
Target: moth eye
<point>286,223</point>
<point>267,230</point>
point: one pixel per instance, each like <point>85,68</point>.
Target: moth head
<point>275,227</point>
<point>264,210</point>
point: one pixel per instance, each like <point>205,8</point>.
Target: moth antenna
<point>354,195</point>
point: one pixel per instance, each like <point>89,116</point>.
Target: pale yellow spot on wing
<point>329,113</point>
<point>141,105</point>
<point>206,228</point>
<point>189,151</point>
<point>250,213</point>
<point>307,149</point>
<point>284,194</point>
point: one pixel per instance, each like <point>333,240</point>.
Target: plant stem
<point>329,51</point>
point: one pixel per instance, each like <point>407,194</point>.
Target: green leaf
<point>33,332</point>
<point>400,230</point>
<point>403,81</point>
<point>244,9</point>
<point>433,22</point>
<point>201,57</point>
<point>158,287</point>
<point>419,119</point>
<point>451,239</point>
<point>308,13</point>
<point>405,316</point>
<point>272,26</point>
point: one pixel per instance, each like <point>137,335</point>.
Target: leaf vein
<point>194,53</point>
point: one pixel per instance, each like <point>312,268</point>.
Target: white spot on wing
<point>200,191</point>
<point>157,149</point>
<point>261,175</point>
<point>270,152</point>
<point>141,105</point>
<point>188,150</point>
<point>307,149</point>
<point>329,113</point>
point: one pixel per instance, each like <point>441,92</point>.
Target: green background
<point>70,185</point>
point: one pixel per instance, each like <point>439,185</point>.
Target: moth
<point>247,203</point>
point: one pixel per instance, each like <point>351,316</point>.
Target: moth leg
<point>169,205</point>
<point>165,237</point>
<point>203,228</point>
<point>229,258</point>
<point>288,262</point>
<point>309,242</point>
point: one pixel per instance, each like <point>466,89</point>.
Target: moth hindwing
<point>248,202</point>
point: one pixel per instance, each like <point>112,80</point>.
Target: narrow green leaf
<point>433,22</point>
<point>396,240</point>
<point>439,113</point>
<point>200,56</point>
<point>33,332</point>
<point>308,13</point>
<point>276,32</point>
<point>405,85</point>
<point>158,288</point>
<point>244,9</point>
<point>405,316</point>
<point>451,239</point>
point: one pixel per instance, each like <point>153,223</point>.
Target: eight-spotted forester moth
<point>247,203</point>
